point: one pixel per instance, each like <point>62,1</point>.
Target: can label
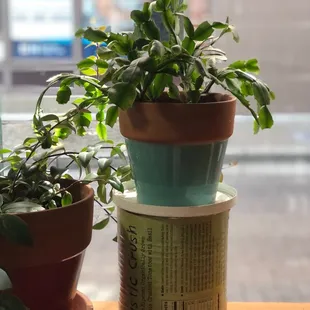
<point>172,263</point>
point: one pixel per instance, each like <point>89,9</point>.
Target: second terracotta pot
<point>46,275</point>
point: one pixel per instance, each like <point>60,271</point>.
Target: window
<point>269,227</point>
<point>47,28</point>
<point>2,44</point>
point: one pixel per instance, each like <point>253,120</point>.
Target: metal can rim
<point>225,200</point>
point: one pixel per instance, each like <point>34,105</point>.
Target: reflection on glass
<point>198,10</point>
<point>114,14</point>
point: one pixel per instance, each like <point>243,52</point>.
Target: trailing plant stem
<point>208,87</point>
<point>170,28</point>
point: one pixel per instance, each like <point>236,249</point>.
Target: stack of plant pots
<point>173,226</point>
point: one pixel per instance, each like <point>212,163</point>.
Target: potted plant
<point>46,215</point>
<point>176,128</point>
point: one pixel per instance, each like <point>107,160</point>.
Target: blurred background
<point>269,256</point>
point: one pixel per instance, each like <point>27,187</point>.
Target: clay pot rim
<point>163,121</point>
<point>72,205</point>
<point>165,99</point>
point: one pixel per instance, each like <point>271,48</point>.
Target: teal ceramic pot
<point>176,151</point>
<point>176,175</point>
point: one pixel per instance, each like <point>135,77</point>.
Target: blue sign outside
<point>41,28</point>
<point>44,49</point>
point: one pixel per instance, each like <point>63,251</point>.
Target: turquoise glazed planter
<point>176,151</point>
<point>176,175</point>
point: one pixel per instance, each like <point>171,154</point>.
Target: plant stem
<point>64,120</point>
<point>36,146</point>
<point>147,85</point>
<point>218,82</point>
<point>53,155</point>
<point>209,86</point>
<point>106,211</point>
<point>70,163</point>
<point>173,60</point>
<point>169,26</point>
<point>66,188</point>
<point>97,68</point>
<point>23,165</point>
<point>113,168</point>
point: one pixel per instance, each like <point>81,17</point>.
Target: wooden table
<point>231,306</point>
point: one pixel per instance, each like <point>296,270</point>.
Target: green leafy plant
<point>139,67</point>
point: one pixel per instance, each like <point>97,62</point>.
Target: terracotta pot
<point>177,150</point>
<point>169,122</point>
<point>45,276</point>
<point>80,302</point>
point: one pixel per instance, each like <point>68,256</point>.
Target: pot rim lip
<point>72,205</point>
<point>230,99</point>
<point>226,199</point>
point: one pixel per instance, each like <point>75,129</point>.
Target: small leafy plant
<point>33,182</point>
